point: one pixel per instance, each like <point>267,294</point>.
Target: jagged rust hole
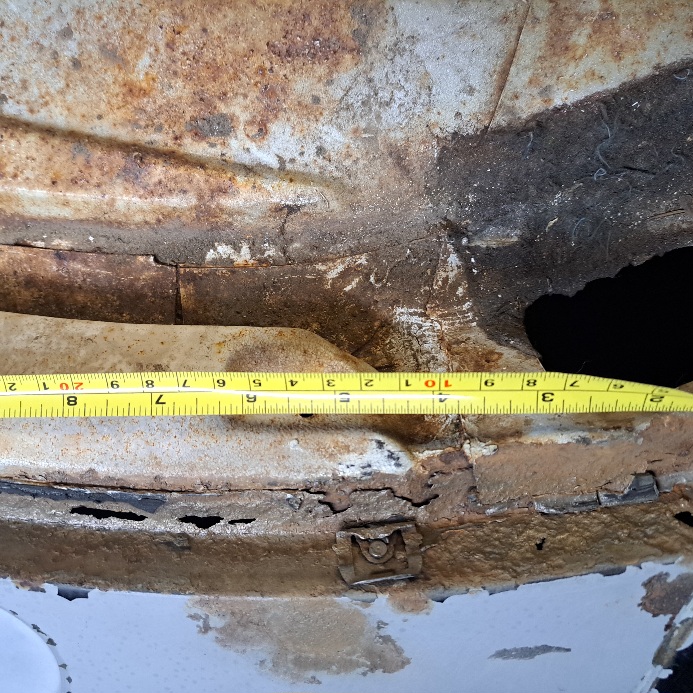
<point>685,517</point>
<point>203,522</point>
<point>104,514</point>
<point>636,326</point>
<point>681,678</point>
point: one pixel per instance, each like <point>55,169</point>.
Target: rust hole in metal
<point>685,517</point>
<point>634,326</point>
<point>103,514</point>
<point>203,522</point>
<point>682,674</point>
<point>242,521</point>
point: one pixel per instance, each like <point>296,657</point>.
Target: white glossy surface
<point>578,634</point>
<point>27,664</point>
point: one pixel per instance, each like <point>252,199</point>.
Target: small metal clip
<point>375,554</point>
<point>642,489</point>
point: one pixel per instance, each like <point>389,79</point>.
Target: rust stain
<point>297,638</point>
<point>145,81</point>
<point>76,176</point>
<point>408,601</point>
<point>588,44</point>
<point>575,31</point>
<point>534,469</point>
<point>87,286</point>
<point>531,469</point>
<point>666,598</point>
<point>162,66</point>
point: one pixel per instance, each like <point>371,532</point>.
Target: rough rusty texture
<point>569,50</point>
<point>281,557</point>
<point>317,104</point>
<point>505,550</point>
<point>444,291</point>
<point>570,469</point>
<point>391,309</point>
<point>673,436</point>
<point>577,194</point>
<point>348,302</point>
<point>300,639</point>
<point>116,288</point>
<point>517,469</point>
<point>666,598</point>
<point>175,121</point>
<point>340,167</point>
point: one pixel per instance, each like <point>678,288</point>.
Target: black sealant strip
<point>148,503</point>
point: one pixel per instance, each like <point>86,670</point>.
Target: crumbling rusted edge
<point>289,549</point>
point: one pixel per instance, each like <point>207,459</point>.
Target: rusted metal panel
<point>186,116</point>
<point>345,301</point>
<point>570,50</point>
<point>174,117</point>
<point>116,288</point>
<point>283,542</point>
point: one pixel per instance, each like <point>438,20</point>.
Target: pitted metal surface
<point>400,179</point>
<point>175,120</point>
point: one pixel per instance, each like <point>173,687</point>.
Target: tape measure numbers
<point>212,393</point>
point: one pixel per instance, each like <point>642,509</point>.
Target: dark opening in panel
<point>637,326</point>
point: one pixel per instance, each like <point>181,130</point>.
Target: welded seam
<point>217,165</point>
<point>178,306</point>
<point>511,62</point>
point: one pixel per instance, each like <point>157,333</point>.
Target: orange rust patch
<point>573,49</point>
<point>614,30</point>
<point>667,598</point>
<point>532,469</point>
<point>205,55</point>
<point>408,601</point>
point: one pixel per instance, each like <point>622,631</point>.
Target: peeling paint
<point>528,652</point>
<point>302,638</point>
<point>665,597</point>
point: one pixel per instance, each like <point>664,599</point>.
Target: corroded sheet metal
<point>289,102</point>
<point>216,122</point>
<point>198,453</point>
<point>569,50</point>
<point>513,460</point>
<point>282,541</point>
<point>116,288</point>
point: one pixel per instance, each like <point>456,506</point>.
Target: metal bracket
<point>376,554</point>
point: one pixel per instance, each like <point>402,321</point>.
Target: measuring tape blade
<point>243,393</point>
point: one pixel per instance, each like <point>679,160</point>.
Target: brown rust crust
<point>506,550</point>
<point>459,554</point>
<point>662,444</point>
<point>59,283</point>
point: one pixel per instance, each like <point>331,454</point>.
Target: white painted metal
<point>585,633</point>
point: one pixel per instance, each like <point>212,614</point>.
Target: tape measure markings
<point>190,393</point>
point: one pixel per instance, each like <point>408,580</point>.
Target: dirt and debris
<point>575,194</point>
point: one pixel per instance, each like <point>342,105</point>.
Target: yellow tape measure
<point>212,393</point>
